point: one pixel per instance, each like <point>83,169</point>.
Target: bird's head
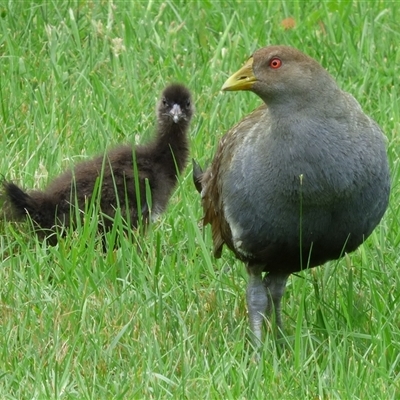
<point>175,104</point>
<point>280,74</point>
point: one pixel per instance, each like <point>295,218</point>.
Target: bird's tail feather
<point>19,204</point>
<point>197,175</point>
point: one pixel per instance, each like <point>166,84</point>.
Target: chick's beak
<point>176,113</point>
<point>242,79</point>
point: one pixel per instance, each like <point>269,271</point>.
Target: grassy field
<point>159,317</point>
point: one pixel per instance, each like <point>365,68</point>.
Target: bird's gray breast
<point>311,182</point>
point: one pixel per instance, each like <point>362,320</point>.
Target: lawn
<point>159,317</point>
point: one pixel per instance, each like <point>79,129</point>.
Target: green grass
<point>159,317</point>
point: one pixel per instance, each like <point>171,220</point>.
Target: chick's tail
<point>17,205</point>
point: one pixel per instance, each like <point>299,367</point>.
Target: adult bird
<point>301,180</point>
<point>124,176</point>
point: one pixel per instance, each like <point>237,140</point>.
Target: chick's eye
<point>188,103</point>
<point>164,101</point>
<point>275,63</point>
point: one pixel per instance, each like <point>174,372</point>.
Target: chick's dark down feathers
<point>116,175</point>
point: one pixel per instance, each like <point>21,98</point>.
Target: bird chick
<point>301,180</point>
<point>117,174</point>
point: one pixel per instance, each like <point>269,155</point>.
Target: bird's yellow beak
<point>241,80</point>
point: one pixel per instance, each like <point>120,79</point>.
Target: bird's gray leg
<point>275,285</point>
<point>257,303</point>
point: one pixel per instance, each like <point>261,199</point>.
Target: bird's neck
<point>171,146</point>
<point>307,103</point>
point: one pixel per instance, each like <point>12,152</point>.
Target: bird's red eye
<point>275,63</point>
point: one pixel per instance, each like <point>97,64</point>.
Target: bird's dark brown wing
<point>212,205</point>
<point>213,179</point>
